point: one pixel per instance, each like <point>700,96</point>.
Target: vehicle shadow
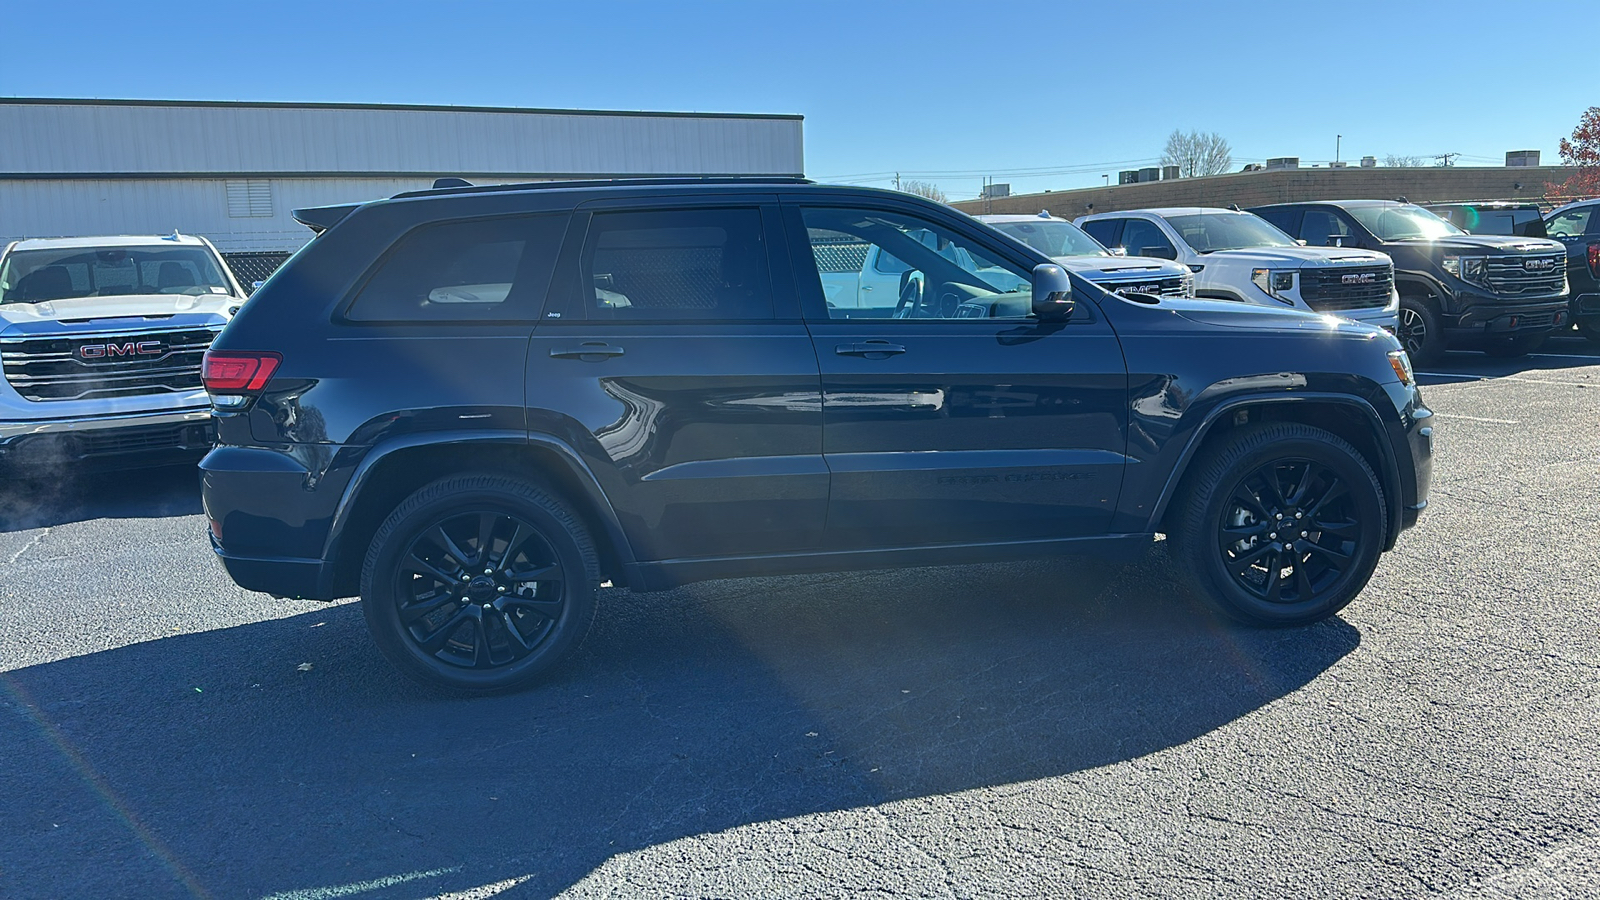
<point>67,496</point>
<point>1558,353</point>
<point>285,757</point>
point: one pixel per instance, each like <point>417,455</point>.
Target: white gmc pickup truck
<point>1240,256</point>
<point>101,340</point>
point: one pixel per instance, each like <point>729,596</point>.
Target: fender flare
<point>593,495</point>
<point>1388,470</point>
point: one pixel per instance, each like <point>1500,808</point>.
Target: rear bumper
<point>300,579</point>
<point>116,441</point>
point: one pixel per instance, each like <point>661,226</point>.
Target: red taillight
<point>1594,260</point>
<point>225,372</point>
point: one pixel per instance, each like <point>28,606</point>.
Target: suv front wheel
<point>1419,332</point>
<point>1281,524</point>
<point>479,583</point>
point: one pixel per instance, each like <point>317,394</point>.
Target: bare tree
<point>925,189</point>
<point>1395,161</point>
<point>1197,154</point>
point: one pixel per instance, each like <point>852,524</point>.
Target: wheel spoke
<point>547,609</point>
<point>1337,557</point>
<point>435,641</point>
<point>1302,581</point>
<point>419,566</point>
<point>1242,564</point>
<point>447,544</point>
<point>411,612</point>
<point>1243,496</point>
<point>518,538</point>
<point>1335,491</point>
<point>519,644</point>
<point>486,523</point>
<point>1298,496</point>
<point>1274,578</point>
<point>1233,533</point>
<point>550,573</point>
<point>1347,530</point>
<point>482,652</point>
<point>1269,475</point>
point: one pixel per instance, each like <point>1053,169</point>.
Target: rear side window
<point>677,264</point>
<point>1281,218</point>
<point>1569,224</point>
<point>477,270</point>
<point>1103,230</point>
<point>1322,228</point>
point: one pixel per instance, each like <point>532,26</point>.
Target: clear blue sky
<point>943,91</point>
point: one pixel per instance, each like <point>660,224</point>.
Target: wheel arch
<point>1346,416</point>
<point>393,470</point>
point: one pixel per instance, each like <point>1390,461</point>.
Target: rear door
<point>672,354</point>
<point>959,419</point>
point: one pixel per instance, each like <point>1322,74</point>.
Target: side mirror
<point>1300,241</point>
<point>1052,293</point>
<point>1159,252</point>
<point>1335,240</point>
<point>1119,251</point>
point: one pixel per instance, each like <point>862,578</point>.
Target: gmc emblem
<point>1538,265</point>
<point>131,348</point>
<point>1360,278</point>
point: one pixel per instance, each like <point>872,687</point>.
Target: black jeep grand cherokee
<point>473,405</point>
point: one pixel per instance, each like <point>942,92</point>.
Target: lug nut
<point>488,606</point>
<point>1305,533</point>
<point>488,571</point>
<point>502,588</point>
<point>1288,546</point>
<point>1277,515</point>
<point>1273,536</point>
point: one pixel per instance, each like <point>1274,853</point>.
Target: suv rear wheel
<point>479,583</point>
<point>1281,525</point>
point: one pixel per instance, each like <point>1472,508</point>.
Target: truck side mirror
<point>1052,293</point>
<point>1119,251</point>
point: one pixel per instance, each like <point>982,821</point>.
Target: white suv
<point>101,341</point>
<point>1240,256</point>
<point>1076,251</point>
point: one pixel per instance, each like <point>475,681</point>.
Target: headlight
<point>1401,363</point>
<point>1274,282</point>
<point>1466,268</point>
<point>1188,286</point>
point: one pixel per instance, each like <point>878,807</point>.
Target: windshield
<point>33,276</point>
<point>1053,238</point>
<point>1209,232</point>
<point>1401,223</point>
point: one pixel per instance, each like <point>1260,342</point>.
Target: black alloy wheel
<point>1419,331</point>
<point>479,583</point>
<point>1279,524</point>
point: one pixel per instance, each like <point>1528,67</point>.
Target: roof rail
<point>605,182</point>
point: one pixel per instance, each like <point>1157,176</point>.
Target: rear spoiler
<point>321,218</point>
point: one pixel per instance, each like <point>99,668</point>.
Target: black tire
<point>1590,328</point>
<point>1521,345</point>
<point>1330,555</point>
<point>476,622</point>
<point>1420,332</point>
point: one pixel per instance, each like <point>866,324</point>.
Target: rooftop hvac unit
<point>1369,162</point>
<point>1128,176</point>
<point>1150,174</point>
<point>1338,165</point>
<point>1522,158</point>
<point>992,191</point>
<point>1283,162</point>
<point>1169,172</point>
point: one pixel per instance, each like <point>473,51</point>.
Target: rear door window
<point>1324,228</point>
<point>1569,224</point>
<point>677,264</point>
<point>1104,230</point>
<point>1141,238</point>
<point>466,271</point>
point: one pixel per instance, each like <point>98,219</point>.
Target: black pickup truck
<point>1577,225</point>
<point>1500,294</point>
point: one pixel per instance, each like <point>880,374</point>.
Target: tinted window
<point>946,274</point>
<point>1400,222</point>
<point>32,276</point>
<point>1571,223</point>
<point>1103,230</point>
<point>1282,218</point>
<point>1221,230</point>
<point>677,264</point>
<point>1323,228</point>
<point>480,270</point>
<point>1052,237</point>
<point>1143,238</point>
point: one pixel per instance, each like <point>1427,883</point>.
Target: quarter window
<point>479,270</point>
<point>1572,223</point>
<point>664,265</point>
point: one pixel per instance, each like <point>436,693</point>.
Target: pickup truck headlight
<point>1466,268</point>
<point>1188,286</point>
<point>1274,282</point>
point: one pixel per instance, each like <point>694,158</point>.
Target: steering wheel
<point>1561,236</point>
<point>910,298</point>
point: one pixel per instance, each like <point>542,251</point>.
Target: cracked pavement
<point>1043,729</point>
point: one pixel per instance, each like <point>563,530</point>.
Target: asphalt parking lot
<point>1059,728</point>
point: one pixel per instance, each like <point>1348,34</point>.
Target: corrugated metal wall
<point>42,137</point>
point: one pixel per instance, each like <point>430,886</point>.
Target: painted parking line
<point>1477,419</point>
<point>1515,376</point>
<point>1455,375</point>
<point>1596,358</point>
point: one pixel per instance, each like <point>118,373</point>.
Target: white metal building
<point>233,171</point>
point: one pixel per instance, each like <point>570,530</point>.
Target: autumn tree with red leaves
<point>1582,150</point>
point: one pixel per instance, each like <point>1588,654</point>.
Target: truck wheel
<point>1281,524</point>
<point>1419,332</point>
<point>1590,328</point>
<point>479,583</point>
<point>1521,345</point>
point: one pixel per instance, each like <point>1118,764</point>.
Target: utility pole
<point>1337,140</point>
<point>1444,158</point>
<point>897,181</point>
<point>1108,180</point>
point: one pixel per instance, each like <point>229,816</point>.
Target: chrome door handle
<point>874,349</point>
<point>588,351</point>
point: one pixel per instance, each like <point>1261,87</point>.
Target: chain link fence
<point>253,268</point>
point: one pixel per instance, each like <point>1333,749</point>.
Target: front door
<point>955,416</point>
<point>673,356</point>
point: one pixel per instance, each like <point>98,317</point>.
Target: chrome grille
<point>105,364</point>
<point>1174,286</point>
<point>1340,288</point>
<point>1511,275</point>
